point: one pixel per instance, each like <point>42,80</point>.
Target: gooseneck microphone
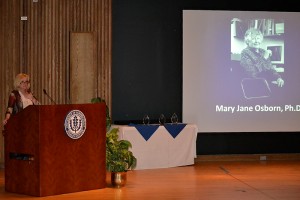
<point>49,96</point>
<point>37,101</point>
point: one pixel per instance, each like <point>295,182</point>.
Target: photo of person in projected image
<point>20,97</point>
<point>256,62</point>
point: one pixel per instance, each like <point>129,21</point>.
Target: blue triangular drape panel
<point>174,129</point>
<point>145,130</point>
<point>148,130</point>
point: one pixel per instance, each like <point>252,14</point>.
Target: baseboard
<point>248,157</point>
<point>239,157</point>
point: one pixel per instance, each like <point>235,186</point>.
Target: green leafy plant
<point>108,119</point>
<point>118,156</point>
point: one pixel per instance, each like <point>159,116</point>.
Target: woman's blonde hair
<point>18,79</point>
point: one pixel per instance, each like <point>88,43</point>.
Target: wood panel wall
<point>40,46</point>
<point>82,67</point>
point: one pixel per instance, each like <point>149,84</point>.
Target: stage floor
<point>209,180</point>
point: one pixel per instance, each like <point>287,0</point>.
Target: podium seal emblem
<point>75,124</point>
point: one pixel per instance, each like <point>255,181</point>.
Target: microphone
<point>49,97</point>
<point>33,97</point>
<point>37,101</point>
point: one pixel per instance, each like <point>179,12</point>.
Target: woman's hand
<point>4,122</point>
<point>268,54</point>
<point>280,82</point>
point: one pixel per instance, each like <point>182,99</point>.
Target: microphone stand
<point>49,97</point>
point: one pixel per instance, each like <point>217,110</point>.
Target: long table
<point>161,150</point>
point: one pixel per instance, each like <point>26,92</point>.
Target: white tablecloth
<point>161,150</point>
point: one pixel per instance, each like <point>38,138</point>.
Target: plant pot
<point>118,179</point>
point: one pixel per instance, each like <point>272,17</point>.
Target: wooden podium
<point>41,159</point>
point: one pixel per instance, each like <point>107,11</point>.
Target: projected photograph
<point>257,54</point>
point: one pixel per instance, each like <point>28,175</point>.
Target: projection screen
<point>219,95</point>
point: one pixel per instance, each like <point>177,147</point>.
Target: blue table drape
<point>174,129</point>
<point>148,130</point>
<point>145,130</point>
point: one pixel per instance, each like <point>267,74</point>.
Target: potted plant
<point>119,159</point>
<point>108,120</point>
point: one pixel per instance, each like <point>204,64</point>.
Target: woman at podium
<point>20,97</point>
